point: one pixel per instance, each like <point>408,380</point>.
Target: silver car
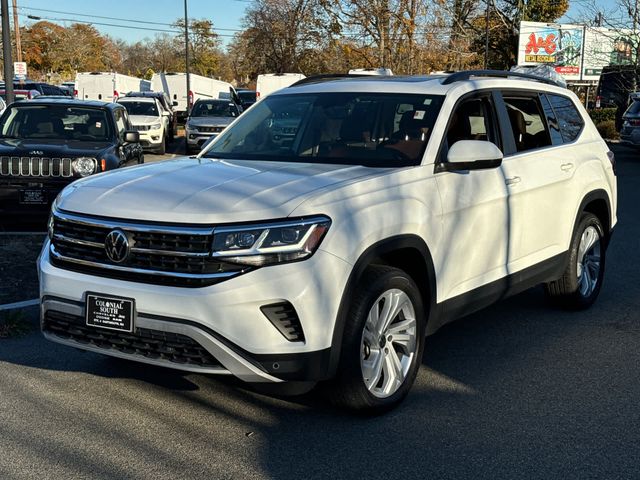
<point>208,118</point>
<point>630,133</point>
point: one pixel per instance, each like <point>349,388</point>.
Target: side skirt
<point>481,297</point>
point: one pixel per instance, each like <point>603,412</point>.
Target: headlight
<point>270,243</point>
<point>84,166</point>
<point>155,126</point>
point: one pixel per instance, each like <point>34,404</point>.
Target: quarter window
<point>552,121</point>
<point>569,119</point>
<point>529,129</point>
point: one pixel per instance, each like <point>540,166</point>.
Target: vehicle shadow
<point>515,391</point>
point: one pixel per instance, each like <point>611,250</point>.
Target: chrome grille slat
<point>167,255</point>
<point>36,167</point>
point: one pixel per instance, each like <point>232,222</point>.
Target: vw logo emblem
<point>117,246</point>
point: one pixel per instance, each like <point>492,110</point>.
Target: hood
<point>211,121</point>
<point>204,191</point>
<point>144,119</point>
<point>51,148</point>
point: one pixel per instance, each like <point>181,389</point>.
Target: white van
<point>175,85</point>
<point>270,82</point>
<point>107,86</point>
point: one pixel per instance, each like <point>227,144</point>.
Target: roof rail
<point>467,74</point>
<point>325,77</point>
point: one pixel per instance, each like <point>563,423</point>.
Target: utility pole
<point>16,30</point>
<point>186,56</point>
<point>486,38</point>
<point>6,51</point>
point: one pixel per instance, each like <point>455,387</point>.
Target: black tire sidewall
<point>587,220</point>
<point>375,282</point>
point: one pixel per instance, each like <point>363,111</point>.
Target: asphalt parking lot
<point>519,390</point>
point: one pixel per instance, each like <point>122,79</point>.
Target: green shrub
<point>607,129</point>
<point>599,115</point>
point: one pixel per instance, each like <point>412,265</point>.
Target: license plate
<point>113,313</point>
<point>33,196</point>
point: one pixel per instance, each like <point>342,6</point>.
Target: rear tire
<point>382,343</point>
<point>580,284</point>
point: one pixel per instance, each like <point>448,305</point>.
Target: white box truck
<point>174,84</point>
<point>107,86</point>
<point>270,82</point>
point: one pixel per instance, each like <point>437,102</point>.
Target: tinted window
<point>351,128</point>
<point>569,118</point>
<point>141,108</point>
<point>121,122</point>
<point>529,128</point>
<point>634,108</point>
<point>552,121</point>
<point>55,122</point>
<point>471,120</point>
<point>214,109</point>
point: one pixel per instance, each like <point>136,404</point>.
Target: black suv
<point>46,144</point>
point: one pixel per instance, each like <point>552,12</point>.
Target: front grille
<point>35,167</point>
<point>176,256</point>
<point>142,128</point>
<point>153,344</point>
<point>210,129</point>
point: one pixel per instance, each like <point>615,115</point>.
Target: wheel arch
<point>598,203</point>
<point>409,253</point>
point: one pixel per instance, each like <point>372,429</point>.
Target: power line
<point>172,25</point>
<point>85,22</point>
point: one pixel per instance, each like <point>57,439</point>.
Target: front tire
<point>382,343</point>
<point>581,282</point>
<point>163,146</point>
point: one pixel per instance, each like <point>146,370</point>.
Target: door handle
<point>512,180</point>
<point>566,167</point>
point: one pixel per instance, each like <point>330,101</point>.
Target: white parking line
<point>17,305</point>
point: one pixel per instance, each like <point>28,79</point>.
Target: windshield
<point>55,122</point>
<point>371,129</point>
<point>141,108</point>
<point>214,109</point>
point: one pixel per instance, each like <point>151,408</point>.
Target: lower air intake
<point>284,317</point>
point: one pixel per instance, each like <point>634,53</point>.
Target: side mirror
<point>165,113</point>
<point>174,103</point>
<point>472,155</point>
<point>131,136</point>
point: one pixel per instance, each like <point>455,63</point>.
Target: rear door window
<point>569,118</point>
<point>529,128</point>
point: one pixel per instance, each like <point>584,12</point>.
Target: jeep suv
<point>396,204</point>
<point>47,143</point>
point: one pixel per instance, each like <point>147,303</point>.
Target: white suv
<point>332,227</point>
<point>151,120</point>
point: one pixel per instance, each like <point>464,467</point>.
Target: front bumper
<point>151,139</point>
<point>225,319</point>
<point>196,139</point>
